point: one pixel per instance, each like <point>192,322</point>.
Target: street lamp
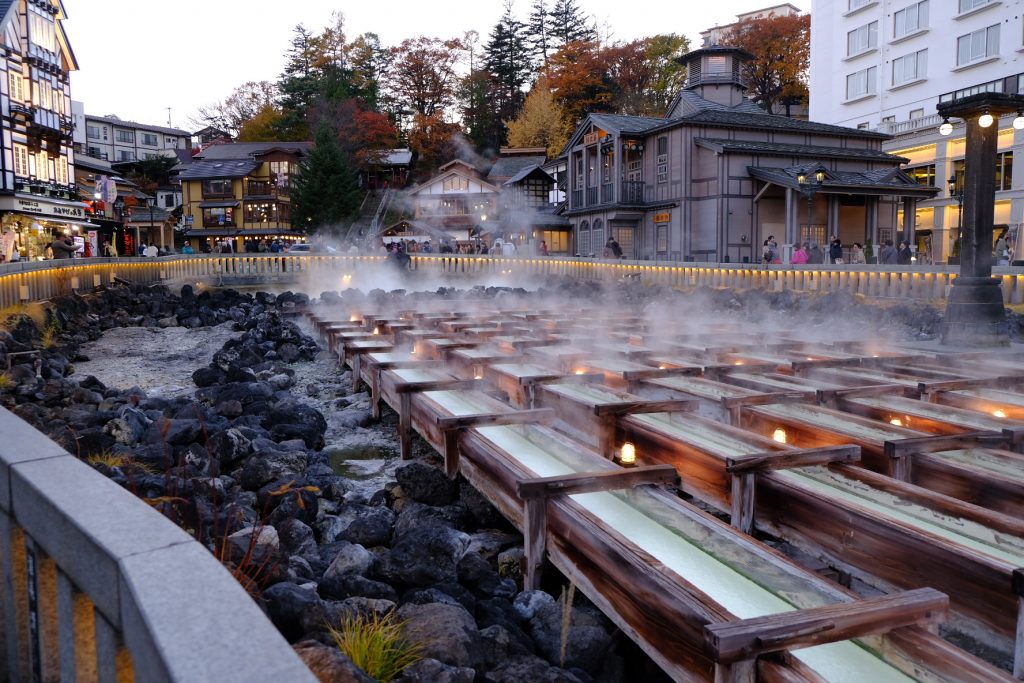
<point>956,192</point>
<point>809,189</point>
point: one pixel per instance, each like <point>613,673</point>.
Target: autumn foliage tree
<point>645,73</point>
<point>264,126</point>
<point>578,73</point>
<point>422,75</point>
<point>781,47</point>
<point>434,140</point>
<point>361,133</point>
<point>541,122</point>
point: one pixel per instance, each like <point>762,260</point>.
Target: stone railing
<point>40,280</point>
<point>98,586</point>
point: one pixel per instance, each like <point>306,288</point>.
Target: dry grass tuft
<point>375,644</point>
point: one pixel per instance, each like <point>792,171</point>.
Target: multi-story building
<point>883,64</point>
<point>717,34</point>
<point>457,202</point>
<point>111,139</point>
<point>37,195</point>
<point>717,175</point>
<point>241,191</point>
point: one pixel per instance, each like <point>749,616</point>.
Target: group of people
<point>810,252</point>
<point>612,249</point>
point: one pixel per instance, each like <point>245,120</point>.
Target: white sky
<point>138,58</point>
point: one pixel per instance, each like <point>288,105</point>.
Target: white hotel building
<point>882,65</point>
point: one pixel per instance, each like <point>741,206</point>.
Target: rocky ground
<point>219,408</point>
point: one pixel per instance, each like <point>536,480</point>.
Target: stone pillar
<point>974,313</point>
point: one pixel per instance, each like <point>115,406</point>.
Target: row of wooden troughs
<point>618,448</point>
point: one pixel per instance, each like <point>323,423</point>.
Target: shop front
<point>36,221</point>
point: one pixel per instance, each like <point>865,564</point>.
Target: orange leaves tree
<point>422,75</point>
<point>781,46</point>
<point>646,74</point>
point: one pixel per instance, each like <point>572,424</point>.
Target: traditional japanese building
<point>241,191</point>
<point>457,200</point>
<point>717,175</point>
<point>38,199</point>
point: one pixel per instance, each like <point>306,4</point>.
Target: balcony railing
<point>910,125</point>
<point>591,196</point>
<point>254,188</point>
<point>1010,85</point>
<point>632,192</point>
<point>607,193</point>
<point>577,198</point>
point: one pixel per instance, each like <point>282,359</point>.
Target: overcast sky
<point>138,58</point>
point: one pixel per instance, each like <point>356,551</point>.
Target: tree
<point>369,63</point>
<point>265,126</point>
<point>578,75</point>
<point>506,59</point>
<point>243,104</point>
<point>541,122</point>
<point>434,141</point>
<point>538,28</point>
<point>781,46</point>
<point>361,133</point>
<point>325,193</point>
<point>645,74</point>
<point>297,84</point>
<point>152,173</point>
<point>568,24</point>
<point>481,120</point>
<point>422,77</point>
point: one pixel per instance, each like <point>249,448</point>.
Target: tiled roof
<point>793,150</point>
<point>114,121</point>
<point>507,167</point>
<point>390,157</point>
<point>527,171</point>
<point>201,169</point>
<point>626,124</point>
<point>245,150</point>
<point>882,181</point>
<point>732,118</point>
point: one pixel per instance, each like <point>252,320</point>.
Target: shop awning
<point>229,204</point>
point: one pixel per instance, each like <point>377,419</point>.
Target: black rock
<point>208,377</point>
<point>286,603</point>
<point>426,484</point>
<point>340,587</point>
<point>427,556</point>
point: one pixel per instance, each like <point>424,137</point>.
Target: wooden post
<point>1018,643</point>
<point>744,472</point>
<point>535,492</point>
<point>901,451</point>
<point>452,426</point>
<point>405,425</point>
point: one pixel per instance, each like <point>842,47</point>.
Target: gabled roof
<point>455,171</point>
<point>736,118</point>
<point>527,172</point>
<point>134,125</point>
<point>389,157</point>
<point>458,162</point>
<point>202,169</point>
<point>877,181</point>
<point>248,150</point>
<point>508,167</point>
<point>786,149</point>
<point>625,124</point>
<point>689,102</point>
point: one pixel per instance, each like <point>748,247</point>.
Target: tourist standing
<point>887,255</point>
<point>1001,254</point>
<point>800,255</point>
<point>857,254</point>
<point>903,254</point>
<point>835,250</point>
<point>62,248</point>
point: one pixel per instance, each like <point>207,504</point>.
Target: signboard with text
<point>663,217</point>
<point>43,207</point>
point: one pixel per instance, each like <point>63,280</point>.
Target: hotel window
<point>62,170</point>
<point>1004,171</point>
<point>219,217</point>
<point>861,83</point>
<point>910,67</point>
<point>21,161</point>
<point>662,160</point>
<point>854,4</point>
<point>218,187</point>
<point>281,174</point>
<point>916,114</point>
<point>125,136</point>
<point>977,45</point>
<point>261,212</point>
<point>661,238</point>
<point>861,39</point>
<point>923,175</point>
<point>149,139</point>
<point>909,19</point>
<point>455,184</point>
<point>125,155</point>
<point>44,95</point>
<point>968,5</point>
<point>41,29</point>
<point>43,171</point>
<point>17,88</point>
<point>578,180</point>
<point>94,152</point>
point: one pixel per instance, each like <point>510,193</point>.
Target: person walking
<point>857,254</point>
<point>800,255</point>
<point>62,248</point>
<point>835,250</point>
<point>1001,253</point>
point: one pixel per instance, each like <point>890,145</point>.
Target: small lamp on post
<point>809,188</point>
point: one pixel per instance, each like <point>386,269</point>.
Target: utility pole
<point>169,118</point>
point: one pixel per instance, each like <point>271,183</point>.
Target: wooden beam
<point>788,459</point>
<point>438,385</point>
<point>589,482</point>
<point>538,415</point>
<point>767,398</point>
<point>828,397</point>
<point>946,442</point>
<point>983,382</point>
<point>746,639</point>
<point>642,406</point>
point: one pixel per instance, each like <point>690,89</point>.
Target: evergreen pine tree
<point>537,31</point>
<point>297,85</point>
<point>325,192</point>
<point>568,24</point>
<point>506,59</point>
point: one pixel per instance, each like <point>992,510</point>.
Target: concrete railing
<point>98,586</point>
<point>43,279</point>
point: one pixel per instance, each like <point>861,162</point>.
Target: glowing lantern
<point>896,421</point>
<point>999,413</point>
<point>779,435</point>
<point>627,455</point>
<point>354,318</point>
<point>579,371</point>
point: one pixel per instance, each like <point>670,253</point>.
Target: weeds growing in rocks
<point>6,383</point>
<point>375,644</point>
<point>566,600</point>
<point>110,460</point>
